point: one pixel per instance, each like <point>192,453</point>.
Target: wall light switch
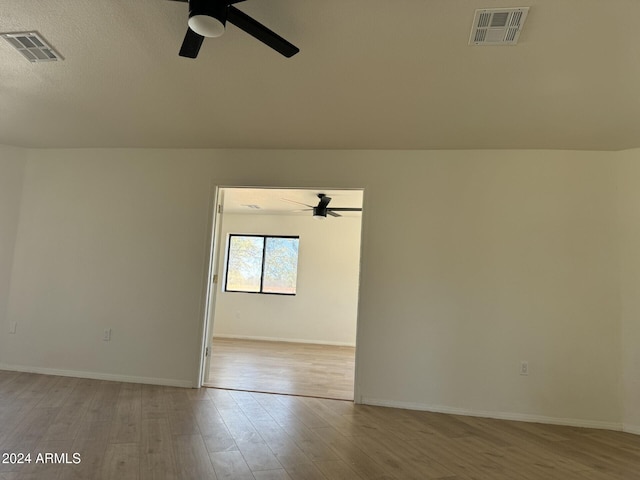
<point>12,327</point>
<point>524,368</point>
<point>106,335</point>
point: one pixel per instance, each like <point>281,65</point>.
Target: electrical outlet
<point>524,368</point>
<point>12,327</point>
<point>106,335</point>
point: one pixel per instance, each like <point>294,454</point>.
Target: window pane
<point>244,264</point>
<point>280,265</point>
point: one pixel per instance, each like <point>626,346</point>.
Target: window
<point>262,264</point>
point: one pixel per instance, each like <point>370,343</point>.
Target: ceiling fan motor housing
<point>319,211</point>
<point>207,18</point>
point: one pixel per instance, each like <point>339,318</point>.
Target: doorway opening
<point>283,294</point>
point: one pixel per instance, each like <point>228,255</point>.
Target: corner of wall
<point>628,216</point>
<point>635,429</point>
<point>12,167</point>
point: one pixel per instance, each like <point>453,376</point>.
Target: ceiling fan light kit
<point>206,26</point>
<point>207,18</point>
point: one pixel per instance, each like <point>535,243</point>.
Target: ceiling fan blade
<point>262,33</point>
<point>333,214</point>
<point>293,201</point>
<point>346,209</point>
<point>191,44</point>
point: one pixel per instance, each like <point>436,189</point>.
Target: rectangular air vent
<point>32,46</point>
<point>497,26</point>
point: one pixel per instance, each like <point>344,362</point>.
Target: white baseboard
<point>573,422</point>
<point>519,417</point>
<point>628,428</point>
<point>169,382</point>
<point>288,340</point>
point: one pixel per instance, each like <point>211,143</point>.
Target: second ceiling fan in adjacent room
<point>322,209</point>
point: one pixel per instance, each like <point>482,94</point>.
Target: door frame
<point>214,229</point>
<point>217,244</point>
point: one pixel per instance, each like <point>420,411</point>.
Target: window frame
<point>264,249</point>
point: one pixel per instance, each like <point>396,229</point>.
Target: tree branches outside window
<point>262,264</point>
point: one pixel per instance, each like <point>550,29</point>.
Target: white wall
<point>109,240</point>
<point>12,162</point>
<point>629,201</point>
<point>503,256</point>
<point>324,310</point>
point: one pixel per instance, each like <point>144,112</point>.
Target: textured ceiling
<point>371,74</point>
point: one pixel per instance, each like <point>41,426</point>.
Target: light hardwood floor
<point>280,367</point>
<point>128,431</point>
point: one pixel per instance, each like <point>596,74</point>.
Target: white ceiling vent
<point>32,46</point>
<point>497,26</point>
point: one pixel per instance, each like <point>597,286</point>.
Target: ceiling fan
<point>321,210</point>
<point>207,18</point>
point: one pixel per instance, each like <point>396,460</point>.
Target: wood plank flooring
<point>128,431</point>
<point>324,371</point>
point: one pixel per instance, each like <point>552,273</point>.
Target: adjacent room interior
<point>299,337</point>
